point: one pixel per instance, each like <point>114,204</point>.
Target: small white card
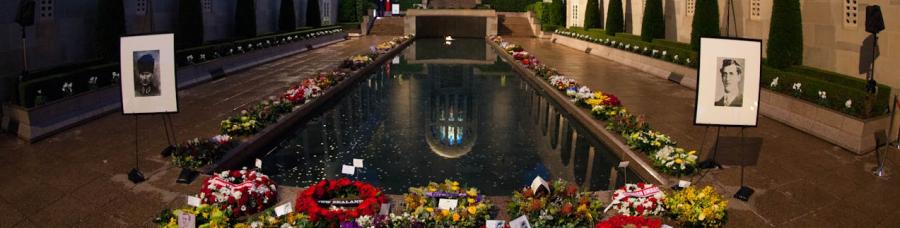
<point>447,204</point>
<point>283,209</point>
<point>495,223</point>
<point>358,163</point>
<point>396,60</point>
<point>520,222</point>
<point>623,164</point>
<point>258,163</point>
<point>684,183</point>
<point>537,183</point>
<point>187,220</point>
<point>666,226</point>
<point>193,201</point>
<point>348,169</point>
<point>385,209</point>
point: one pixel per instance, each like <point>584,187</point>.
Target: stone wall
<point>67,35</point>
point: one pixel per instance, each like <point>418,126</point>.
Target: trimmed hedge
<point>509,5</point>
<point>190,24</point>
<point>615,20</point>
<point>592,17</point>
<point>706,21</point>
<point>287,19</point>
<point>785,46</point>
<point>685,57</point>
<point>838,87</point>
<point>313,14</point>
<point>111,27</point>
<point>653,25</point>
<point>245,18</point>
<point>557,13</point>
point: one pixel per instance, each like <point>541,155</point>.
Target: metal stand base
<point>135,176</point>
<point>879,171</point>
<point>744,193</point>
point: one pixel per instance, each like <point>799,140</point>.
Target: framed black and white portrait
<point>728,82</point>
<point>148,74</point>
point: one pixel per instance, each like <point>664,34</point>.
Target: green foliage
<point>654,25</point>
<point>190,24</point>
<point>785,46</point>
<point>839,88</point>
<point>706,21</point>
<point>592,15</point>
<point>615,20</point>
<point>245,18</point>
<point>110,26</point>
<point>509,5</point>
<point>347,11</point>
<point>407,4</point>
<point>557,13</point>
<point>287,20</point>
<point>672,49</point>
<point>313,14</point>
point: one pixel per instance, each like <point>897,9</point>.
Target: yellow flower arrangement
<point>471,209</point>
<point>693,207</point>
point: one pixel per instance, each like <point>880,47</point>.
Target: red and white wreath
<point>240,191</point>
<point>638,200</point>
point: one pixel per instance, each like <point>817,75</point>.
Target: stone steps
<point>514,26</point>
<point>392,26</point>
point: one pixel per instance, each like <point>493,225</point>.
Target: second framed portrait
<point>728,82</point>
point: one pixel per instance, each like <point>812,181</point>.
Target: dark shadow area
<point>867,54</point>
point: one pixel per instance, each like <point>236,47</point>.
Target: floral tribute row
<point>661,149</point>
<point>350,203</point>
<point>196,153</point>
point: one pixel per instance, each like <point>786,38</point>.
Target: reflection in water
<point>414,123</point>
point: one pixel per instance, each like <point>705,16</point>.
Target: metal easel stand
<point>711,163</point>
<point>135,175</point>
<point>745,192</point>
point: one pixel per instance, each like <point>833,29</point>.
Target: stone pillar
<point>491,27</point>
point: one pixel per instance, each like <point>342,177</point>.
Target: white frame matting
<point>163,47</point>
<point>739,108</point>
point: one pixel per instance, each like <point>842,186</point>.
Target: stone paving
<point>800,180</point>
<point>77,178</point>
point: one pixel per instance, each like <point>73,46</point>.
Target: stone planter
<point>851,133</point>
<point>848,132</point>
<point>33,124</point>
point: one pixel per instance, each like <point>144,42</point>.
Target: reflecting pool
<point>438,112</point>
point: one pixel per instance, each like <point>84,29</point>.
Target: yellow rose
<point>455,217</point>
<point>471,200</point>
<point>429,209</point>
<point>445,212</point>
<point>678,161</point>
<point>472,210</point>
<point>432,189</point>
<point>454,188</point>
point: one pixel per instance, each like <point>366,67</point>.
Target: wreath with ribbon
<point>638,200</point>
<point>242,192</point>
<point>339,200</point>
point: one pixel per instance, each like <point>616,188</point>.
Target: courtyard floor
<point>78,177</point>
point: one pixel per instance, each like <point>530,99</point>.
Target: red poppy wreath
<point>339,200</point>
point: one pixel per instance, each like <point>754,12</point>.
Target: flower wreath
<point>240,191</point>
<point>340,195</point>
<point>638,200</point>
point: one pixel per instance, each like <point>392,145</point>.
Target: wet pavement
<point>800,180</point>
<point>77,178</point>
